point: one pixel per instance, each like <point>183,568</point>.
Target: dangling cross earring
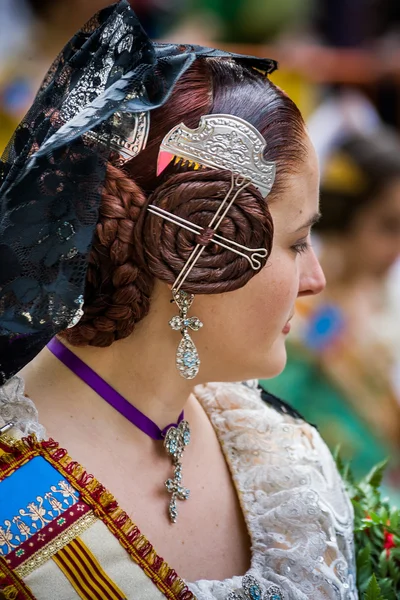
<point>187,357</point>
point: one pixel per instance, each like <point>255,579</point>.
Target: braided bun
<point>117,292</point>
<point>196,197</point>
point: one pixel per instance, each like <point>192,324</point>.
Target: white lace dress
<point>298,515</point>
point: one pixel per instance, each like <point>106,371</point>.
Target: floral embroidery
<point>56,505</point>
<point>24,529</point>
<point>66,490</point>
<point>6,536</point>
<point>36,515</point>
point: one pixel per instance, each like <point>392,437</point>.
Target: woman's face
<point>374,240</point>
<point>244,331</point>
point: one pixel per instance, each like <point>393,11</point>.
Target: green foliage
<point>376,535</point>
<point>373,591</point>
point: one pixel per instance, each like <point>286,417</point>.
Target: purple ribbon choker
<point>108,393</point>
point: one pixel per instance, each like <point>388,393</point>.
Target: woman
<point>344,361</point>
<point>266,515</point>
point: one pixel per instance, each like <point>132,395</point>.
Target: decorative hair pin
<point>129,134</point>
<point>253,258</point>
<point>221,142</point>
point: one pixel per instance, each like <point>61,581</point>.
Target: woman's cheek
<point>286,283</point>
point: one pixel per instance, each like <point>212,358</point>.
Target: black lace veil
<point>53,169</point>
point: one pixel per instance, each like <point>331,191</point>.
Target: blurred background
<point>340,61</point>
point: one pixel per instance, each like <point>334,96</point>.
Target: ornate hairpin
<point>220,142</point>
<point>129,134</point>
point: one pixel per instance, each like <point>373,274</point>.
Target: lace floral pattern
<point>15,407</point>
<point>298,515</point>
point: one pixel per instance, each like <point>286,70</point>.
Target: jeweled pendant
<point>252,590</point>
<point>176,440</point>
<point>187,358</point>
<point>78,313</point>
<point>274,593</point>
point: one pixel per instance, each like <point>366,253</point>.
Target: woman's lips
<point>287,327</point>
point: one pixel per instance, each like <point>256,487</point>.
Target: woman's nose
<point>312,278</point>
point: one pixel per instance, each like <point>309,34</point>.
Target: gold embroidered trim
<point>107,509</point>
<point>10,584</point>
<point>15,453</point>
<point>45,553</point>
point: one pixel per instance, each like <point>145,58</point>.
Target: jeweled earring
<point>187,357</point>
<point>78,313</point>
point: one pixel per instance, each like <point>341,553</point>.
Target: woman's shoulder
<point>254,425</point>
<point>249,420</point>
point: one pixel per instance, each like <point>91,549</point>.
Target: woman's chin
<point>261,365</point>
<point>275,361</point>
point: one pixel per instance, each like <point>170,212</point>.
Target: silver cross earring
<point>187,358</point>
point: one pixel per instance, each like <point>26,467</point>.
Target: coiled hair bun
<point>196,196</point>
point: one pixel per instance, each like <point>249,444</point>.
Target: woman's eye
<point>300,247</point>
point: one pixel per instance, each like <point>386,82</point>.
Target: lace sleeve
<point>298,514</point>
<point>17,408</point>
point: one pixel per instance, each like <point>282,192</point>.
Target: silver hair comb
<point>221,142</point>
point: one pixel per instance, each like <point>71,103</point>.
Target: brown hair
<point>131,246</point>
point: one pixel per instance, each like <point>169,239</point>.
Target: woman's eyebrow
<point>311,221</point>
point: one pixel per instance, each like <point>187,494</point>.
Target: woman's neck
<point>140,367</point>
<point>143,375</point>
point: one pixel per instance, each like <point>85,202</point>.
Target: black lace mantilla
<point>51,172</point>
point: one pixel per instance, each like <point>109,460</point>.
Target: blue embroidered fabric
<point>31,498</point>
